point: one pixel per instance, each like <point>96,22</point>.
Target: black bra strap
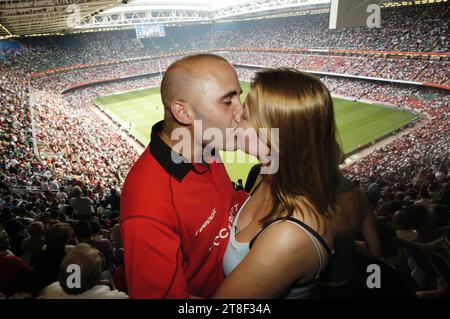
<point>299,222</point>
<point>250,245</point>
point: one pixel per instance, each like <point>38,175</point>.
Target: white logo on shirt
<point>207,221</point>
<point>225,232</point>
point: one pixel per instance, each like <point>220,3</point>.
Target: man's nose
<point>237,114</point>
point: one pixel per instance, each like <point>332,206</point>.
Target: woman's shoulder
<point>298,231</point>
<point>286,245</point>
<point>285,233</point>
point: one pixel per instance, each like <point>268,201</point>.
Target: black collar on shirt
<point>163,154</point>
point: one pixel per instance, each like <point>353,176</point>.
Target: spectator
<point>402,227</point>
<point>15,274</point>
<point>36,240</point>
<point>424,271</point>
<point>47,263</point>
<point>112,202</point>
<point>356,216</point>
<point>239,185</point>
<point>441,216</point>
<point>84,233</point>
<point>82,206</point>
<point>425,199</point>
<point>90,286</point>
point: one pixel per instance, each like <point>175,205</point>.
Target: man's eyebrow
<point>231,94</point>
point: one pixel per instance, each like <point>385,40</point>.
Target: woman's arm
<point>282,255</point>
<point>420,247</point>
<point>372,247</point>
<point>439,293</point>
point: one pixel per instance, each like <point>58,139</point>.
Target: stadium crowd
<point>411,28</point>
<point>400,69</point>
<point>68,194</point>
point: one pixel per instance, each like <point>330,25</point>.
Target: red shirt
<point>175,221</point>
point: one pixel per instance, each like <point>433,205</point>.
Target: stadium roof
<point>214,4</point>
<point>194,11</point>
<point>31,17</point>
<point>38,17</point>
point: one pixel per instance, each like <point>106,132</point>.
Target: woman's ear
<point>180,111</point>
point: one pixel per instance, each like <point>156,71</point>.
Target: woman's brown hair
<point>301,107</point>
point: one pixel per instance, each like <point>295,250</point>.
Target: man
<point>176,202</point>
<point>89,262</point>
<point>112,199</point>
<point>15,274</point>
<point>239,186</point>
<point>83,206</point>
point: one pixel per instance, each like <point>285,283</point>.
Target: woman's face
<point>245,122</point>
<point>245,132</point>
<point>249,139</point>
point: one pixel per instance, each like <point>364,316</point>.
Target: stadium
<point>80,91</point>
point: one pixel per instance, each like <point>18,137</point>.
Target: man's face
<point>217,104</point>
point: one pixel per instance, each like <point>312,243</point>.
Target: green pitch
<point>358,123</point>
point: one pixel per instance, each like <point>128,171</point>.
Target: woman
<point>282,237</point>
<point>356,216</point>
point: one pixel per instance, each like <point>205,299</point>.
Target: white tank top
<point>236,252</point>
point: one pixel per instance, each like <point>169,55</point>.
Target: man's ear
<point>180,111</point>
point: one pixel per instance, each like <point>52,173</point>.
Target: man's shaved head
<point>185,78</point>
<point>201,92</point>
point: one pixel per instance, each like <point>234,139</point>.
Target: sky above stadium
<point>214,3</point>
